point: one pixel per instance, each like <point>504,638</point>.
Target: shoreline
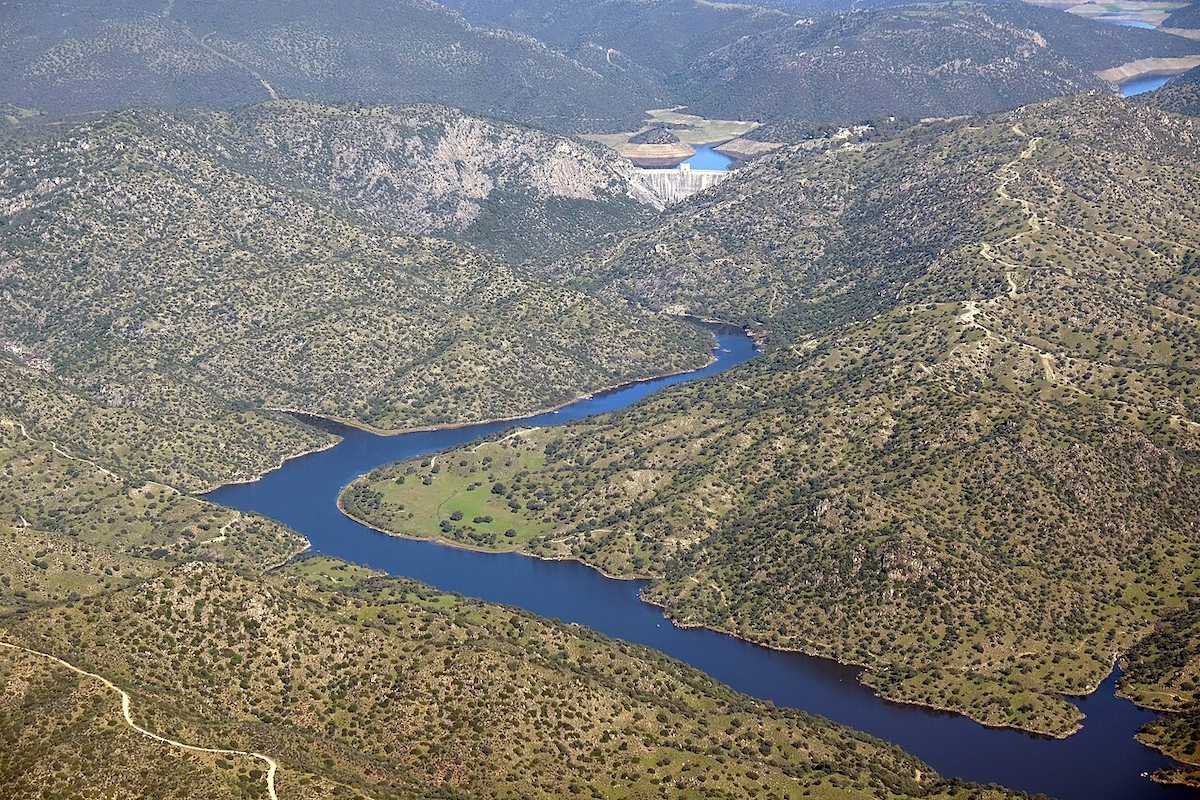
<point>367,427</point>
<point>809,653</point>
<point>210,488</point>
<point>1163,776</point>
<point>1146,68</point>
<point>712,358</point>
<point>756,337</point>
<point>281,564</point>
<point>474,548</point>
<point>862,670</point>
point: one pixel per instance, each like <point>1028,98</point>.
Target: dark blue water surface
<point>1102,761</point>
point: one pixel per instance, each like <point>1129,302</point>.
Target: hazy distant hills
<point>67,55</point>
<point>664,35</point>
<point>919,60</point>
<point>564,65</point>
<point>1186,17</point>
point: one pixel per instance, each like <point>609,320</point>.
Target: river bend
<point>1103,761</point>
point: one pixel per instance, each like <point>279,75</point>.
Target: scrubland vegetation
<point>966,460</point>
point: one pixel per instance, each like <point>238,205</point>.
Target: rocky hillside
<point>921,60</point>
<point>78,55</point>
<point>429,170</point>
<point>153,274</point>
<point>356,685</point>
<point>967,460</point>
<point>1180,95</point>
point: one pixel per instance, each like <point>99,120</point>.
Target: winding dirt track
<point>126,700</point>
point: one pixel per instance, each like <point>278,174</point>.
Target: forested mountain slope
<point>967,460</point>
<point>563,65</point>
<point>1186,17</point>
<point>1180,95</point>
<point>142,266</point>
<point>81,55</point>
<point>918,60</point>
<point>664,35</point>
<point>355,685</point>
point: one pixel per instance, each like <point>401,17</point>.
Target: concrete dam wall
<point>666,187</point>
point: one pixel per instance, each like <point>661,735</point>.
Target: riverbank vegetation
<point>1163,672</point>
<point>358,685</point>
<point>362,686</point>
<point>966,460</point>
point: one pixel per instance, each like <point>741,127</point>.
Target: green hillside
<point>148,270</point>
<point>966,461</point>
<point>355,685</point>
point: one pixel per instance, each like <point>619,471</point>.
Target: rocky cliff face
<point>427,169</point>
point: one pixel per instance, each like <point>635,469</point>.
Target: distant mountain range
<point>1186,17</point>
<point>919,60</point>
<point>662,35</point>
<point>81,56</point>
<point>563,65</point>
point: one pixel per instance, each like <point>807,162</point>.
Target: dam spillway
<point>669,186</point>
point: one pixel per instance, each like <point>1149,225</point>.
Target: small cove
<point>1101,761</point>
<point>1147,83</point>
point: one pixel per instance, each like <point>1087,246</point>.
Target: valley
<point>686,490</point>
<point>626,399</point>
<point>477,566</point>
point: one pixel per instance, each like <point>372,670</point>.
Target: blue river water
<point>706,157</point>
<point>1101,762</point>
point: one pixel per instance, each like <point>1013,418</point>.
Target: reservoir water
<point>1102,762</point>
<point>1142,85</point>
<point>1129,23</point>
<point>706,157</point>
